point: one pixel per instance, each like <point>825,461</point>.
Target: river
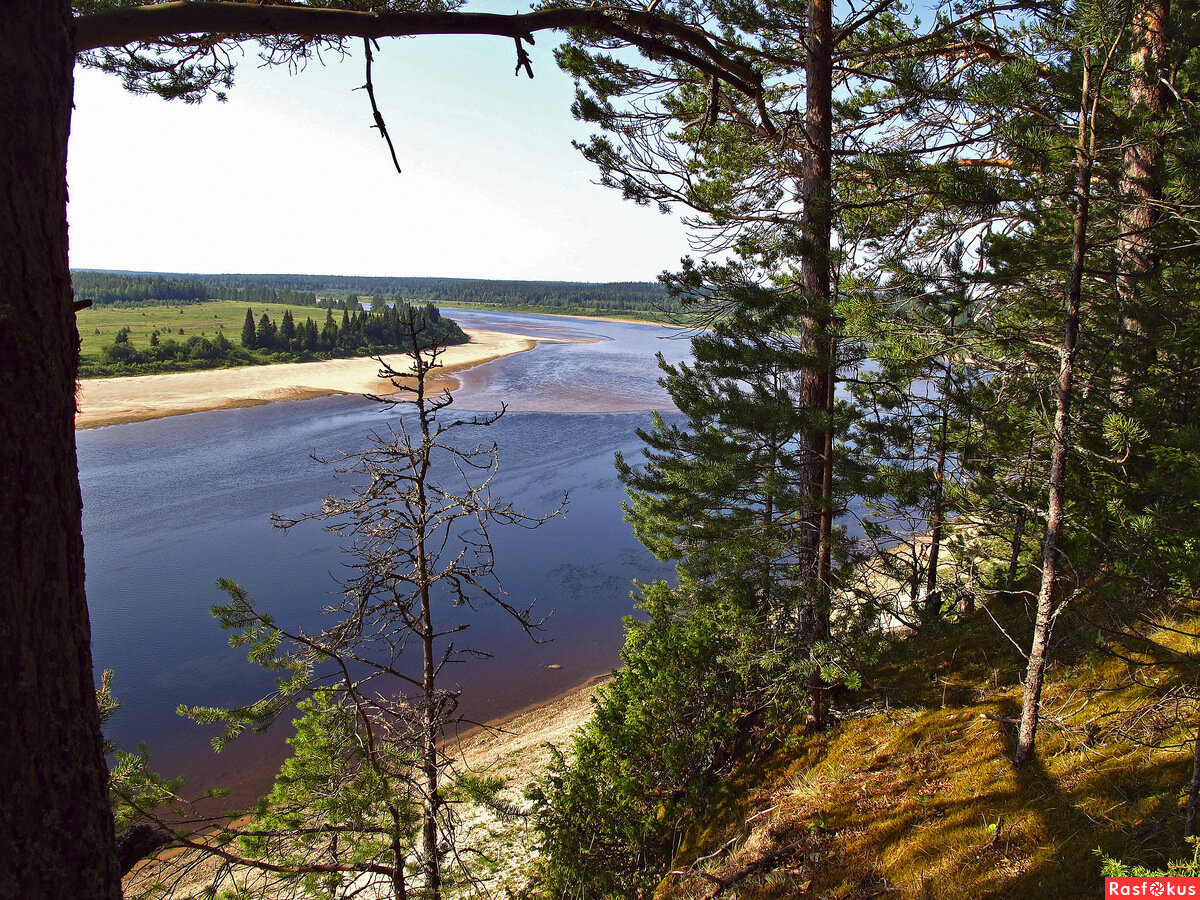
<point>172,505</point>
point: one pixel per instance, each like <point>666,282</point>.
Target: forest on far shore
<point>163,339</point>
<point>644,298</point>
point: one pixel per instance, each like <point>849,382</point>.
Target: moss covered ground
<point>913,792</point>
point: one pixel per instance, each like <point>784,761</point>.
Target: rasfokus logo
<point>1152,887</point>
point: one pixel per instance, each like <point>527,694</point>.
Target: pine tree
<point>249,333</point>
<point>370,791</point>
<point>264,336</point>
<point>287,330</point>
<point>329,333</point>
<point>726,494</point>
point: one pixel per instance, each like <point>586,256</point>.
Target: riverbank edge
<point>138,398</point>
<point>124,400</point>
<point>515,748</point>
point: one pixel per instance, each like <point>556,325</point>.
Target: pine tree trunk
<point>1014,552</point>
<point>56,831</point>
<point>1140,192</point>
<point>818,688</point>
<point>399,856</point>
<point>933,597</point>
<point>1052,544</point>
<point>431,718</point>
<point>816,222</point>
<point>432,801</point>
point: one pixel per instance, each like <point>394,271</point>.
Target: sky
<point>289,177</point>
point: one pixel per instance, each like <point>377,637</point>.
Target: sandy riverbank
<point>116,401</point>
<point>514,749</point>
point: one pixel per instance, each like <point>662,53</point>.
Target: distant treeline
<point>353,334</point>
<point>307,290</point>
<point>113,288</point>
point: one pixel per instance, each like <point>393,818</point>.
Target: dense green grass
<point>98,325</point>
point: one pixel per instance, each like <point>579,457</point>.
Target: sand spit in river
<point>116,401</point>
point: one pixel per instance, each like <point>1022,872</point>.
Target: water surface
<point>174,504</point>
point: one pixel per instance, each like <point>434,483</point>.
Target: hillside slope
<point>913,793</point>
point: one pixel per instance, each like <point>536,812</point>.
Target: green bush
<point>610,820</point>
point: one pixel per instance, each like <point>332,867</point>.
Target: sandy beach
<point>515,749</point>
<point>116,401</point>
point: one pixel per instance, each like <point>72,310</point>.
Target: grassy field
<point>98,325</point>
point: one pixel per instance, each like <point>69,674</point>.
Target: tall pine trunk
<point>431,712</point>
<point>1061,446</point>
<point>1140,192</point>
<point>816,387</point>
<point>56,831</point>
<point>933,597</point>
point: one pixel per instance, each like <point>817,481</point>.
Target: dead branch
<point>379,123</point>
<point>523,60</point>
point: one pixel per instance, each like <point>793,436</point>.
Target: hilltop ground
<point>913,793</point>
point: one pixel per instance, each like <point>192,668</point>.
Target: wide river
<point>174,504</point>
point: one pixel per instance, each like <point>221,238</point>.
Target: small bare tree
<point>365,800</point>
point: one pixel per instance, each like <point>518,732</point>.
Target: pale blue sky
<point>288,176</point>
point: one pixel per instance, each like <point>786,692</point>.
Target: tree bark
<point>818,687</point>
<point>1193,803</point>
<point>1141,193</point>
<point>56,830</point>
<point>933,597</point>
<point>816,389</point>
<point>1052,545</point>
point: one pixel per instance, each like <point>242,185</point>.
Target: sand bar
<point>137,398</point>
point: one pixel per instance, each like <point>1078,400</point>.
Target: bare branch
<point>370,89</point>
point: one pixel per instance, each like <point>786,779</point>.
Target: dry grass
<point>920,799</point>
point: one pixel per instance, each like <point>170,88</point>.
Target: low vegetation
<point>913,792</point>
<point>217,334</point>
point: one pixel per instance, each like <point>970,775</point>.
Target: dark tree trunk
<point>1014,552</point>
<point>1141,197</point>
<point>815,278</point>
<point>1193,803</point>
<point>1141,193</point>
<point>823,631</point>
<point>56,831</point>
<point>933,597</point>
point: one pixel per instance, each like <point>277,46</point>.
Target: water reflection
<point>611,370</point>
<point>171,505</point>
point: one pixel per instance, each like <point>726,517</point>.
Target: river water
<point>174,504</point>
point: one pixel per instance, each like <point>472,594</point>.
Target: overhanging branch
<point>645,30</point>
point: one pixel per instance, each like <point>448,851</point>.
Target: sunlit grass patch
<point>919,798</point>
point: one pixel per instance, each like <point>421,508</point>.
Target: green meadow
<point>98,325</point>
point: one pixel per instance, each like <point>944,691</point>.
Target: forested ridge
<point>932,496</point>
<point>107,287</point>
